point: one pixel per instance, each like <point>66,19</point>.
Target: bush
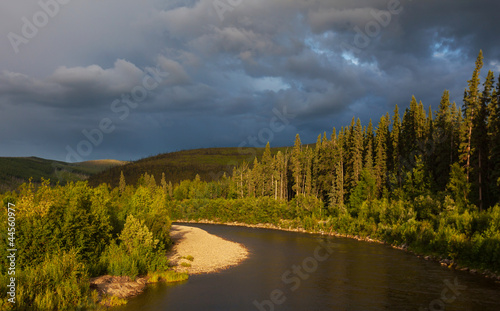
<point>118,262</point>
<point>59,283</point>
<point>137,253</point>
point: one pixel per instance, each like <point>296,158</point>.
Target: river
<point>297,271</point>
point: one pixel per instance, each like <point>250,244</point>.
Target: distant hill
<point>16,170</point>
<point>210,164</point>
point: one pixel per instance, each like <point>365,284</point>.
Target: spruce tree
<point>456,130</point>
<point>122,185</point>
<point>267,171</point>
<point>280,174</point>
<point>337,193</point>
<point>308,158</point>
<point>471,108</point>
<point>420,122</point>
<point>443,136</point>
<point>164,184</point>
<point>494,144</point>
<point>481,143</point>
<point>316,169</point>
<point>409,136</point>
<point>380,169</point>
<point>396,153</point>
<point>369,140</point>
<point>296,166</point>
<point>357,153</point>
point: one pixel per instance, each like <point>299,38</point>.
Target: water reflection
<point>356,276</point>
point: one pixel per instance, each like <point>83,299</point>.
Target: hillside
<point>16,170</point>
<point>209,163</point>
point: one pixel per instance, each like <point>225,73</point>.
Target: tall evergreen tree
<point>267,171</point>
<point>337,193</point>
<point>296,166</point>
<point>494,144</point>
<point>420,123</point>
<point>409,136</point>
<point>308,158</point>
<point>380,169</point>
<point>456,114</point>
<point>122,185</point>
<point>281,175</point>
<point>443,136</point>
<point>164,185</point>
<point>396,152</point>
<point>481,143</point>
<point>357,153</point>
<point>369,141</point>
<point>471,108</point>
<point>317,158</point>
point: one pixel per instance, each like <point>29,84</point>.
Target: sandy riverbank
<point>210,253</point>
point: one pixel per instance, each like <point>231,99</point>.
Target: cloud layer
<point>171,75</point>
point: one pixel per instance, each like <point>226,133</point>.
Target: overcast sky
<point>125,79</point>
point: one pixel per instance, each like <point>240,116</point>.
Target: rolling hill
<point>209,163</point>
<point>16,170</point>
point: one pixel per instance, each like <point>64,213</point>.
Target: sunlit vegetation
<point>113,301</point>
<point>70,233</point>
<point>167,276</point>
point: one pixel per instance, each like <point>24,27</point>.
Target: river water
<point>297,271</point>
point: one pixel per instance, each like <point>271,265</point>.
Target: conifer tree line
<point>421,179</point>
<point>454,150</point>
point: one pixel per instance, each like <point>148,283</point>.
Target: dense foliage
<point>67,234</point>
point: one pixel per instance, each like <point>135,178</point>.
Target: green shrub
<point>119,262</point>
<point>137,253</point>
<point>60,282</point>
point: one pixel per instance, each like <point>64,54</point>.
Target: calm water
<point>300,273</point>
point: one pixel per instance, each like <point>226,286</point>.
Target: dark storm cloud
<point>231,66</point>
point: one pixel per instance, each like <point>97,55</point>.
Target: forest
<point>427,181</point>
<point>424,180</point>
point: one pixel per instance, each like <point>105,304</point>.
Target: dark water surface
<point>343,275</point>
